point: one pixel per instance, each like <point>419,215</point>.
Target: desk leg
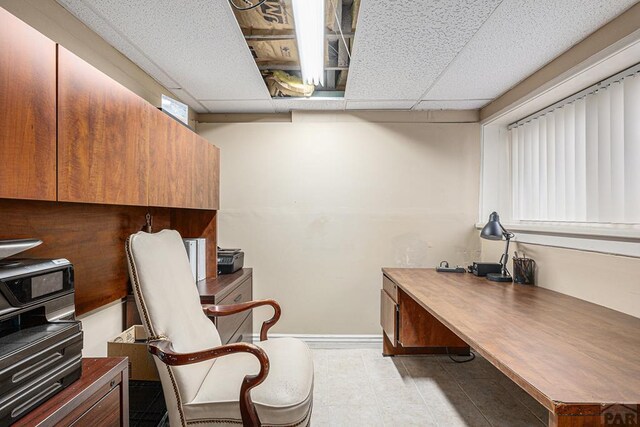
<point>124,398</point>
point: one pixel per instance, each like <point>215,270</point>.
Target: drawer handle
<point>238,298</point>
<point>112,383</point>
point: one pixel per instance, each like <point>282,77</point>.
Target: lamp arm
<point>504,259</point>
<point>507,234</point>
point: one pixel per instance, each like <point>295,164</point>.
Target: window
<point>579,159</point>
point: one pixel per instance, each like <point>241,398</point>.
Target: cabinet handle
<point>238,298</point>
<point>112,383</point>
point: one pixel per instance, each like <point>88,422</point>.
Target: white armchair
<point>269,383</point>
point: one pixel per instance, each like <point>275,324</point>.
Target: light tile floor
<point>359,387</point>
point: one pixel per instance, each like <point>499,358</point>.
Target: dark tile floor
<point>362,388</point>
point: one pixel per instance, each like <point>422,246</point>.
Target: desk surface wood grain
<point>214,289</point>
<point>99,376</point>
<point>573,356</point>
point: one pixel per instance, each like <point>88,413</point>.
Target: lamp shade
<point>492,230</point>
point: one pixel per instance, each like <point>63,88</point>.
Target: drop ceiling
<point>407,55</point>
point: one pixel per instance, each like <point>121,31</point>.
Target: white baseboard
<point>332,341</point>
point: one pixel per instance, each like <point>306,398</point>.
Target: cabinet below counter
<point>410,329</point>
<point>230,289</point>
<point>100,398</point>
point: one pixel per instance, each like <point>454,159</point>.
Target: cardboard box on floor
<point>141,364</point>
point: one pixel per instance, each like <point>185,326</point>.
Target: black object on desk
<point>523,270</point>
<point>40,340</point>
<point>230,260</point>
<point>481,269</point>
<point>444,268</point>
<point>493,230</point>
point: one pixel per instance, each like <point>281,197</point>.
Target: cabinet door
<point>207,174</point>
<point>107,412</point>
<point>172,162</point>
<point>388,316</point>
<point>184,167</point>
<point>103,137</point>
<point>27,111</point>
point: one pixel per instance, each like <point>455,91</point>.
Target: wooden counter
<point>576,358</point>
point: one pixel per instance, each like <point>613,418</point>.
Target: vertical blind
<point>579,159</point>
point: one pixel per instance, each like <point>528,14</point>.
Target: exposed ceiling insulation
<point>269,30</point>
<point>407,54</point>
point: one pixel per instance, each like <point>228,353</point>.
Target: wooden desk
<point>99,398</point>
<point>576,358</point>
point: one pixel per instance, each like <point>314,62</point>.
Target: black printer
<point>230,260</point>
<point>40,340</point>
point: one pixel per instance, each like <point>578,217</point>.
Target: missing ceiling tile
<point>269,30</point>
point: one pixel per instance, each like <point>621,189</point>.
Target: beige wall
<point>608,280</point>
<point>320,204</point>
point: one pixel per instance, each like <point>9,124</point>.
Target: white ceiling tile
<point>189,100</point>
<point>452,54</point>
<point>241,106</point>
<point>402,46</point>
<point>453,104</point>
<point>284,105</point>
<point>102,27</point>
<point>379,105</point>
<point>195,45</point>
<point>519,38</point>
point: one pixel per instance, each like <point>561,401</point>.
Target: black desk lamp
<point>495,231</point>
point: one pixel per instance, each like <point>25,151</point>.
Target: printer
<point>40,340</point>
<point>230,260</point>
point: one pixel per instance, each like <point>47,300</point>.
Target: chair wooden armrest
<point>225,310</point>
<point>163,349</point>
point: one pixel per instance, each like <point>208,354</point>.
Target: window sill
<point>614,239</point>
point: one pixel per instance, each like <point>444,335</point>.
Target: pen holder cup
<point>524,270</point>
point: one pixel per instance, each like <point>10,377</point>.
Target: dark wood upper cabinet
<point>69,133</point>
<point>27,111</point>
<point>103,137</point>
<point>183,166</point>
<point>113,147</point>
<point>209,175</point>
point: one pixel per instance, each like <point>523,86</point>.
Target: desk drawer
<point>390,287</point>
<point>228,325</point>
<point>104,413</point>
<point>244,332</point>
<point>389,316</point>
<point>240,294</point>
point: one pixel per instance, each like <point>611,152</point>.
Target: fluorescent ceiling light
<point>309,20</point>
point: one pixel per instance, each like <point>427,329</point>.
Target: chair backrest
<point>169,306</point>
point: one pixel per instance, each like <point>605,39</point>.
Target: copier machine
<point>40,340</point>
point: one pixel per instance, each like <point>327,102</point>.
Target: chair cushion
<point>284,398</point>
